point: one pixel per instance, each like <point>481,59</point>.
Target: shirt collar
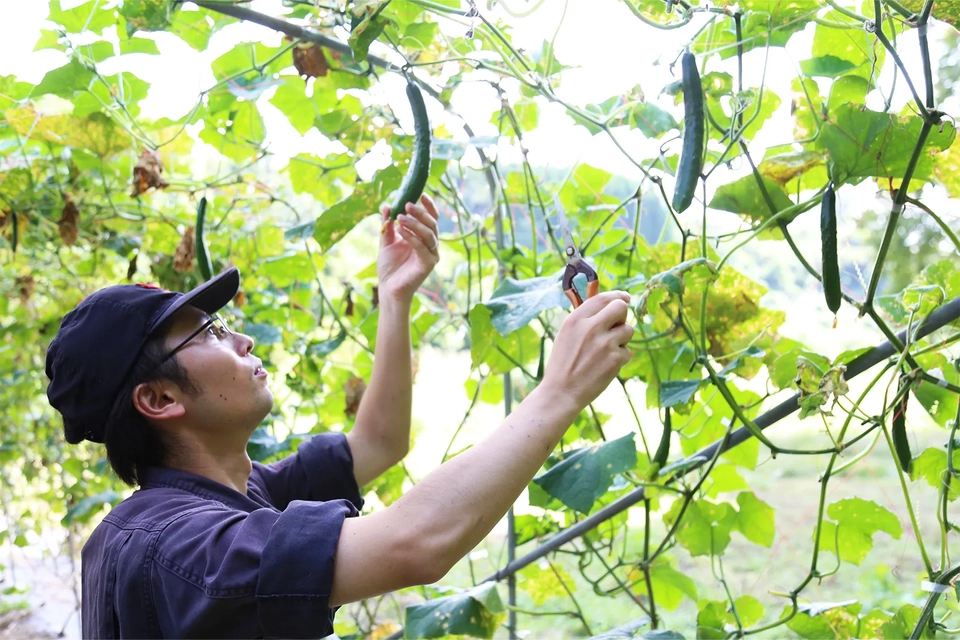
<point>157,477</point>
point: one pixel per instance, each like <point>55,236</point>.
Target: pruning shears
<point>575,263</point>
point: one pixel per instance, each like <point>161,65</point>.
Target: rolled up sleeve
<point>322,469</point>
<point>296,573</point>
<point>223,576</point>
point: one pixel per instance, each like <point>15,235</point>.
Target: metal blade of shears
<point>570,247</point>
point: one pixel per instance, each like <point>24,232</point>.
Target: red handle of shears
<point>592,289</point>
<point>570,289</point>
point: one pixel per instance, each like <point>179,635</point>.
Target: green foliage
<point>746,197</point>
<point>334,223</point>
<point>477,612</point>
<point>303,233</point>
<point>669,586</point>
<point>903,623</point>
<point>827,620</point>
<point>850,534</point>
<point>931,465</point>
<point>515,304</point>
<point>586,474</point>
<point>882,144</point>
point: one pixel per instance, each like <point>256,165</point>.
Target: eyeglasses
<point>216,325</point>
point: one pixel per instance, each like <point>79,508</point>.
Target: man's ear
<point>155,401</point>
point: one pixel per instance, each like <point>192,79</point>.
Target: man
<point>212,545</point>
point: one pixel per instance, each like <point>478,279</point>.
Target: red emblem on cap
<point>147,285</point>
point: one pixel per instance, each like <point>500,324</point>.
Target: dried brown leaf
<point>310,61</point>
<point>349,301</point>
<point>240,299</point>
<point>354,388</point>
<point>146,174</point>
<point>132,267</point>
<point>185,253</point>
<point>68,222</point>
<point>25,288</point>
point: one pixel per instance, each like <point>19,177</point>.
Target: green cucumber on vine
<point>691,154</point>
<point>828,246</point>
<point>898,430</point>
<point>416,177</point>
<point>663,450</point>
<point>16,232</point>
<point>203,254</point>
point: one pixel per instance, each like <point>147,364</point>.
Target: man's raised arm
<point>420,537</point>
<point>380,437</point>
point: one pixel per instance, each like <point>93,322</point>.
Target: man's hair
<point>132,442</point>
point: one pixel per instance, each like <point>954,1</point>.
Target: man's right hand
<point>421,536</point>
<point>590,349</point>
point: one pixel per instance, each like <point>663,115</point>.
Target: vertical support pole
<point>499,214</point>
<point>511,528</point>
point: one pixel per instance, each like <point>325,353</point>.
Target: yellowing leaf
<point>543,583</point>
<point>784,167</point>
<point>30,124</point>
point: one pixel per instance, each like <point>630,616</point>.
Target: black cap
<point>100,340</point>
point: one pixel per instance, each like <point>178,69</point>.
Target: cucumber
<point>663,451</point>
<point>16,231</point>
<point>416,177</point>
<point>203,254</point>
<point>898,432</point>
<point>828,248</point>
<point>691,155</point>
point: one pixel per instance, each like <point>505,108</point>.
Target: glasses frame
<point>215,320</point>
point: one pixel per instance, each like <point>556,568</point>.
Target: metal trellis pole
<point>507,408</point>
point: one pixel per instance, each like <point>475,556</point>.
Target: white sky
<point>612,49</point>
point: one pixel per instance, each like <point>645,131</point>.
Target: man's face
<point>234,397</point>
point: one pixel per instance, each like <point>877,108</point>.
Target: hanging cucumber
<point>898,431</point>
<point>416,177</point>
<point>828,246</point>
<point>663,451</point>
<point>691,155</point>
<point>203,254</point>
<point>16,231</point>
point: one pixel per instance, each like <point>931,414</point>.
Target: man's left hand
<point>409,249</point>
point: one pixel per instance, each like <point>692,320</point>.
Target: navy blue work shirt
<point>187,557</point>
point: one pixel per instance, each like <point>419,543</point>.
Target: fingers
<point>597,303</point>
<point>427,252</point>
<point>421,224</point>
<point>387,228</point>
<point>613,314</point>
<point>622,334</point>
<point>429,205</point>
<point>427,216</point>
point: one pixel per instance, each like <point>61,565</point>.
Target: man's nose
<point>243,342</point>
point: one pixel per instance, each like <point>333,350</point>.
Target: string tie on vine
<point>472,14</point>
